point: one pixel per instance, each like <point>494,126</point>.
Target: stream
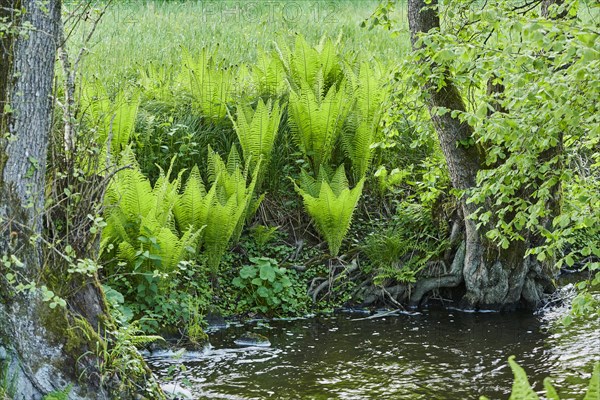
<point>432,354</point>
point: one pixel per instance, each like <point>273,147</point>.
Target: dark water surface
<point>436,354</point>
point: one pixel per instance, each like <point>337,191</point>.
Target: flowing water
<point>433,354</point>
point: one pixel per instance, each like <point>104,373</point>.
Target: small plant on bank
<point>269,289</point>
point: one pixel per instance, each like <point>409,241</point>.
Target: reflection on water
<point>436,354</point>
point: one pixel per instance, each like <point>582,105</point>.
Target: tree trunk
<point>494,277</point>
<point>42,349</point>
<point>32,336</point>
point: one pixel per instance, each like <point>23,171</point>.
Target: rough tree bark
<point>42,349</point>
<point>494,278</point>
<point>32,336</point>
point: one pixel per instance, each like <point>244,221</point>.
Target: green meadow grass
<point>134,34</point>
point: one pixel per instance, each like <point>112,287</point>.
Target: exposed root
<point>315,289</point>
<point>451,279</point>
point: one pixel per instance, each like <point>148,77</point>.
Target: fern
<point>210,87</point>
<point>522,390</point>
<point>357,147</point>
<point>257,131</point>
<point>370,94</point>
<point>593,392</point>
<point>268,75</point>
<point>329,61</point>
<point>190,208</point>
<point>114,121</point>
<point>221,210</point>
<point>304,63</point>
<point>156,82</point>
<point>173,250</point>
<point>140,221</point>
<point>363,127</point>
<point>316,67</point>
<point>551,393</point>
<point>317,121</point>
<point>332,206</point>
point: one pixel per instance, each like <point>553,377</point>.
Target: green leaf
<point>569,260</point>
<point>247,271</point>
<point>263,292</point>
<point>257,282</point>
<point>238,282</point>
<point>593,392</point>
<point>521,389</point>
<point>267,272</point>
<point>550,391</point>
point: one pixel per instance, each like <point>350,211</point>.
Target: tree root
<point>316,288</point>
<point>451,279</point>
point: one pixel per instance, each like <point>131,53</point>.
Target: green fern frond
<point>130,188</point>
<point>331,212</point>
<point>370,94</point>
<point>257,131</point>
<point>156,82</point>
<point>190,207</point>
<point>304,62</point>
<point>308,184</point>
<point>521,389</point>
<point>165,194</point>
<point>113,120</point>
<point>222,210</point>
<point>551,393</point>
<point>209,86</point>
<point>173,249</point>
<point>214,165</point>
<point>593,392</point>
<point>268,75</point>
<point>338,182</point>
<point>305,65</point>
<point>317,121</point>
<point>362,129</point>
<point>329,61</point>
<point>127,253</point>
<point>140,219</point>
<point>356,144</point>
<point>221,222</point>
<point>234,161</point>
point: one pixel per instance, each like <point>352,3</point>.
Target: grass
<point>135,34</point>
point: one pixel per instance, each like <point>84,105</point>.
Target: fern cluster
<point>112,120</point>
<point>332,111</point>
<point>222,209</point>
<point>331,203</point>
<point>209,86</point>
<point>140,228</point>
<point>362,129</point>
<point>317,121</point>
<point>316,66</point>
<point>268,75</point>
<point>305,96</point>
<point>405,247</point>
